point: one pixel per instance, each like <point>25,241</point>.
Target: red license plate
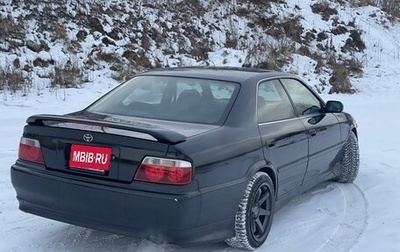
<point>90,157</point>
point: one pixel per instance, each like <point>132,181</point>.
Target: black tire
<point>350,160</point>
<point>255,213</point>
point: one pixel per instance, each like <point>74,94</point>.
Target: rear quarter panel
<point>223,160</point>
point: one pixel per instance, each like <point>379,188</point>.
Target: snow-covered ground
<point>363,216</point>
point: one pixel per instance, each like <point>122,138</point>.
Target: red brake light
<point>29,150</point>
<point>164,171</point>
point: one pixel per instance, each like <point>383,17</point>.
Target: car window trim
<point>306,86</point>
<point>321,101</point>
<point>257,92</point>
<point>279,77</point>
<point>221,121</point>
<point>278,121</point>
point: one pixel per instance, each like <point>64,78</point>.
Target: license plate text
<point>90,157</point>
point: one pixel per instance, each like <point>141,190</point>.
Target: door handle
<point>270,143</point>
<point>312,132</point>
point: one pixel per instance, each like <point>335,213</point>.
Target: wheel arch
<point>354,130</point>
<point>266,167</point>
<point>248,237</point>
<point>272,174</point>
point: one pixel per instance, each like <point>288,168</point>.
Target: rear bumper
<point>160,217</point>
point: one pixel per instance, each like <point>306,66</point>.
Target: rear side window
<point>273,104</point>
<point>170,98</point>
<point>304,100</point>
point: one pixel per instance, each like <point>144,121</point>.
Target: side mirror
<point>334,107</point>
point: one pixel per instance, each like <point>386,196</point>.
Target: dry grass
<point>12,79</point>
<point>193,6</point>
<point>9,27</point>
<point>355,67</point>
<point>354,43</point>
<point>324,10</point>
<point>258,2</point>
<point>200,49</point>
<point>392,7</point>
<point>290,27</point>
<point>68,76</point>
<point>124,73</point>
<point>136,60</point>
<point>110,57</point>
<point>340,80</point>
<point>270,55</point>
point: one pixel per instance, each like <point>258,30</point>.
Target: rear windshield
<point>170,98</point>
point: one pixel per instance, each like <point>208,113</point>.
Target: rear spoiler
<point>136,130</point>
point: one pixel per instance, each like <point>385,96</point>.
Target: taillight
<point>164,171</point>
<point>29,150</point>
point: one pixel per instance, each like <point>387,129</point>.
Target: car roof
<point>234,74</point>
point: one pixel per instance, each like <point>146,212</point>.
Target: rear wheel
<point>255,212</point>
<point>350,160</point>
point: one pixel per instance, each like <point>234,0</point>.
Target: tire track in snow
<point>354,221</point>
<point>349,214</point>
<point>329,218</point>
<point>80,239</point>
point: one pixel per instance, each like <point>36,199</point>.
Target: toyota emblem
<point>87,138</point>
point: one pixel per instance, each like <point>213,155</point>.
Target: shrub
<point>354,66</point>
<point>67,76</point>
<point>290,27</point>
<point>9,27</point>
<point>293,28</point>
<point>391,6</point>
<point>200,49</point>
<point>12,79</point>
<point>340,80</point>
<point>354,42</point>
<point>324,10</point>
<point>270,55</point>
<point>125,73</point>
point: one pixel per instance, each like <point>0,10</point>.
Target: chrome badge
<point>87,138</point>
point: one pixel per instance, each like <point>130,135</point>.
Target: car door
<point>285,141</point>
<point>323,129</point>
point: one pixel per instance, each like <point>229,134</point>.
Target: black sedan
<point>186,155</point>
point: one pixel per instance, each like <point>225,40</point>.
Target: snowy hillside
<point>358,217</point>
<point>64,43</point>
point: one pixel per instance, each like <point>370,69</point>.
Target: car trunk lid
<point>106,147</point>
